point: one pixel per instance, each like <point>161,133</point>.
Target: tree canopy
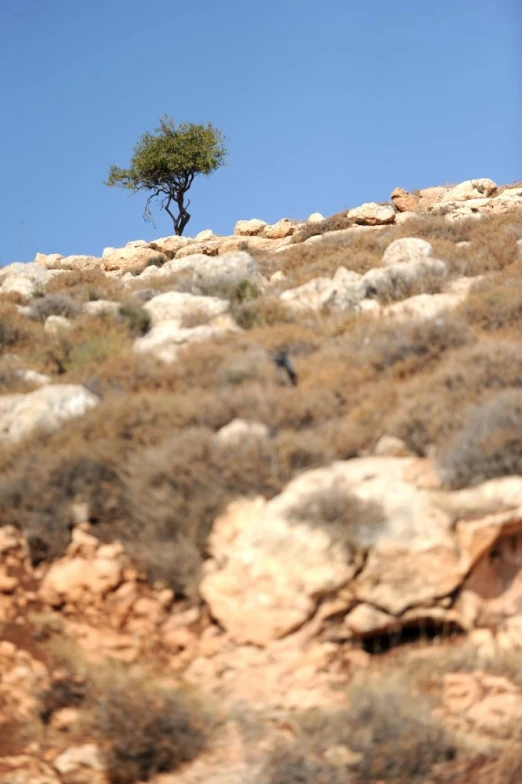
<point>165,162</point>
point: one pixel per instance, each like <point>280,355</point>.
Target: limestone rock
<point>31,270</point>
<point>55,325</point>
<point>170,245</point>
<point>46,409</point>
<point>470,189</point>
<point>279,230</point>
<point>165,339</point>
<point>406,249</point>
<point>391,446</point>
<point>315,217</point>
<point>424,306</point>
<point>78,758</point>
<point>206,248</point>
<point>76,262</point>
<point>372,214</point>
<point>76,580</point>
<point>100,307</point>
<point>249,228</point>
<point>404,201</point>
<point>16,284</point>
<point>178,306</point>
<point>230,268</point>
<point>47,260</point>
<point>240,432</point>
<point>133,258</point>
<point>204,235</point>
<point>385,282</point>
<point>429,196</point>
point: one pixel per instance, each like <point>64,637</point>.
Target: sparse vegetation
<point>488,445</point>
<point>147,731</point>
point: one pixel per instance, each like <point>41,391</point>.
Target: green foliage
<point>166,162</point>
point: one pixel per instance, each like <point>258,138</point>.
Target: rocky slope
<point>210,573</point>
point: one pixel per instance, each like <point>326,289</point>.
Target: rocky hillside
<point>261,502</point>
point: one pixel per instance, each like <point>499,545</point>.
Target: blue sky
<point>324,105</point>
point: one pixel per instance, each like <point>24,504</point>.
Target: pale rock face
<point>77,263</point>
<point>424,306</point>
<point>166,339</point>
<point>406,249</point>
<point>133,258</point>
<point>78,758</point>
<point>45,409</point>
<point>315,217</point>
<point>177,306</point>
<point>404,201</point>
<point>372,214</point>
<point>16,284</point>
<point>470,189</point>
<point>31,270</point>
<point>383,281</point>
<point>74,580</point>
<point>55,325</point>
<point>429,196</point>
<point>275,571</point>
<point>249,228</point>
<point>103,306</point>
<point>279,230</point>
<point>391,446</point>
<point>206,248</point>
<point>467,208</point>
<point>229,268</point>
<point>240,432</point>
<point>48,260</point>
<point>170,245</point>
<point>204,235</point>
<point>343,293</point>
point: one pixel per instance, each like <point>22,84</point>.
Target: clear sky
<point>325,105</point>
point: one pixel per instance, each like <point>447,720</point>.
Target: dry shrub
<point>294,764</point>
<point>63,692</point>
<point>491,306</point>
<point>390,732</point>
<point>395,732</point>
<point>16,331</point>
<point>335,222</point>
<point>138,319</point>
<point>92,341</point>
<point>359,250</point>
<point>54,305</point>
<point>347,519</point>
<point>433,405</point>
<point>86,285</point>
<point>265,311</point>
<point>488,445</point>
<point>492,237</point>
<point>146,731</point>
<point>413,345</point>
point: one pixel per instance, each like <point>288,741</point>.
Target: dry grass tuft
<point>488,445</point>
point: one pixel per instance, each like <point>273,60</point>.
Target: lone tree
<point>166,162</point>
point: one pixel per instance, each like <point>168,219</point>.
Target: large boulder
<point>165,340</point>
<point>279,230</point>
<point>379,528</point>
<point>31,270</point>
<point>404,201</point>
<point>45,410</point>
<point>133,258</point>
<point>372,214</point>
<point>231,268</point>
<point>388,282</point>
<point>470,189</point>
<point>249,228</point>
<point>406,249</point>
<point>179,306</point>
<point>170,245</point>
<point>206,248</point>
